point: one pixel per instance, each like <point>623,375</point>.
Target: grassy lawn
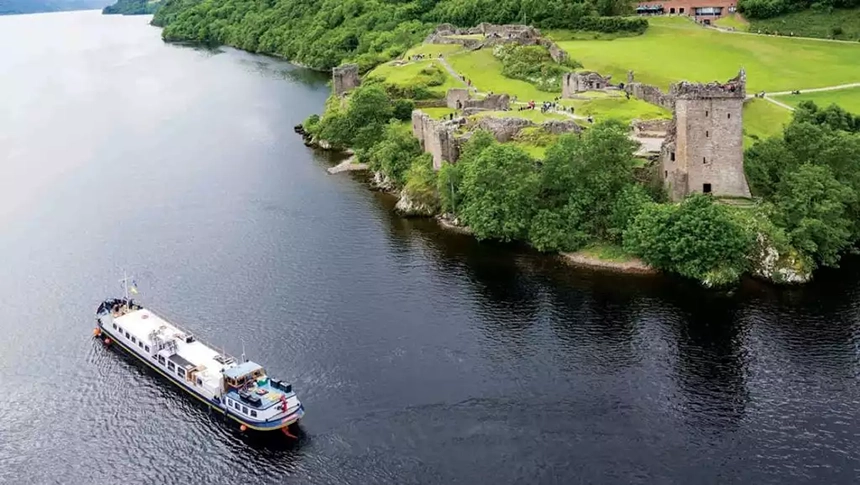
<point>733,21</point>
<point>438,113</point>
<point>619,108</point>
<point>562,35</point>
<point>529,114</point>
<point>408,74</point>
<point>433,49</point>
<point>848,99</point>
<point>674,49</point>
<point>537,152</point>
<point>607,252</point>
<point>809,23</point>
<point>763,119</point>
<point>485,72</point>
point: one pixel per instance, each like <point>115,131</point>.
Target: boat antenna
<point>243,352</point>
<point>124,282</point>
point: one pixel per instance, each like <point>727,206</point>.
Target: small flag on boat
<point>133,288</point>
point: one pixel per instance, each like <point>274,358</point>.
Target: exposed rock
<point>380,181</point>
<point>503,129</point>
<point>347,165</point>
<point>452,223</point>
<point>408,207</point>
<point>633,266</point>
<point>770,265</point>
<point>557,127</point>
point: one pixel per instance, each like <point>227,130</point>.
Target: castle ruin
<point>703,152</point>
<point>578,82</point>
<point>345,78</point>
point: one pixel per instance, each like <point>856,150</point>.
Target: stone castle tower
<point>705,152</point>
<point>345,78</point>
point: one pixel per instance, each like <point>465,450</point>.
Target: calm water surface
<point>421,356</point>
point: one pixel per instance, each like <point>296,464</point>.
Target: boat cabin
<point>241,375</point>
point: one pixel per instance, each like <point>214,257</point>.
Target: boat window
<point>245,409</point>
<point>181,372</point>
<point>253,413</point>
<point>127,335</point>
<point>161,359</point>
<point>171,366</point>
<point>146,348</point>
<point>133,339</point>
<point>140,344</point>
<point>200,382</point>
<point>114,326</point>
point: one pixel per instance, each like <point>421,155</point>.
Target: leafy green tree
<point>448,187</point>
<point>421,181</point>
<point>696,238</point>
<point>811,204</point>
<point>628,204</point>
<point>499,190</point>
<point>393,154</point>
<point>403,109</point>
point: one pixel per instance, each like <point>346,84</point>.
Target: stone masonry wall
<point>344,78</point>
<point>460,98</point>
<point>437,138</point>
<point>704,152</point>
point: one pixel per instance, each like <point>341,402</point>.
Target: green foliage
<point>533,64</point>
<point>447,187</point>
<point>132,7</point>
<point>421,182</point>
<point>697,238</point>
<point>403,109</point>
<point>360,124</point>
<point>323,33</point>
<point>499,190</point>
<point>833,117</point>
<point>763,9</point>
<point>812,207</point>
<point>628,204</point>
<point>393,154</point>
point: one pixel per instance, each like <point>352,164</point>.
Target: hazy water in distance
<point>421,356</point>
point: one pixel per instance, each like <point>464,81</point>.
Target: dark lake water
<point>421,356</point>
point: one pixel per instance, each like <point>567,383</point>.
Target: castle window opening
<point>706,188</point>
<point>672,156</point>
<point>730,116</point>
<point>672,10</point>
<point>706,134</point>
<point>681,10</point>
<point>666,173</point>
<point>706,112</point>
<point>703,160</point>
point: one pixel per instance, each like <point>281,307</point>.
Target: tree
<point>499,191</point>
<point>696,238</point>
<point>811,205</point>
<point>393,154</point>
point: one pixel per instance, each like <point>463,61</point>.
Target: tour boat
<point>240,390</point>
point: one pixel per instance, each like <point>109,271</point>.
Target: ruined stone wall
<point>653,128</point>
<point>558,54</point>
<point>456,98</point>
<point>503,129</point>
<point>344,78</point>
<point>438,138</point>
<point>651,94</point>
<point>577,82</point>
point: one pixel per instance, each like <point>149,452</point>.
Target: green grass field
<point>763,119</point>
<point>438,113</point>
<point>485,72</point>
<point>619,108</point>
<point>733,21</point>
<point>528,114</point>
<point>848,99</point>
<point>838,24</point>
<point>433,49</point>
<point>674,49</point>
<point>408,74</point>
<point>607,252</point>
<point>535,151</point>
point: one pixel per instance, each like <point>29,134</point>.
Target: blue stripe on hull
<point>270,426</point>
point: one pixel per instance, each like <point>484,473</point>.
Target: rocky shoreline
<point>633,266</point>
